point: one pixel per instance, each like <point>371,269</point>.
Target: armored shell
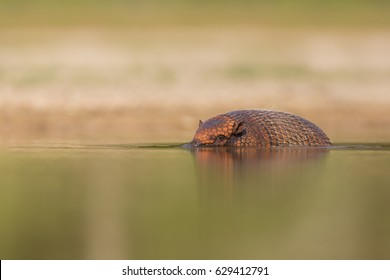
<point>259,128</point>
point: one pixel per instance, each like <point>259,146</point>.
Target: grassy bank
<point>154,84</point>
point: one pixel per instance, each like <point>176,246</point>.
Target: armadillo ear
<point>239,128</point>
<point>200,123</point>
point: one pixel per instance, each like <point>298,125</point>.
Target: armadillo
<point>258,128</point>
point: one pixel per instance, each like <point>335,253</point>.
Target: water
<point>165,202</point>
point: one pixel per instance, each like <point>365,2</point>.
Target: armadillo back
<point>270,128</point>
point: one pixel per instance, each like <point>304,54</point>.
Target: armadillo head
<point>217,131</point>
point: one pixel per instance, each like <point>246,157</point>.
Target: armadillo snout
<point>195,143</point>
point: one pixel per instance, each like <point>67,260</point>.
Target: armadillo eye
<point>221,137</point>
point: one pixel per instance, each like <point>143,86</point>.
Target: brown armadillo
<point>259,128</point>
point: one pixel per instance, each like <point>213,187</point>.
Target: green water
<point>165,202</point>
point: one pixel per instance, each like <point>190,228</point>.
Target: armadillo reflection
<point>258,128</point>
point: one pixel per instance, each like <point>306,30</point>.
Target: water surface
<point>165,202</point>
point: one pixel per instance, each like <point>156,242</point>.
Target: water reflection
<point>223,171</point>
<point>255,195</point>
<point>227,159</point>
<point>152,202</point>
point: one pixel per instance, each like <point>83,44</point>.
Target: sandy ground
<point>154,84</point>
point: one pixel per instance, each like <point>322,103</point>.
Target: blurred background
<point>146,71</point>
<point>82,81</point>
